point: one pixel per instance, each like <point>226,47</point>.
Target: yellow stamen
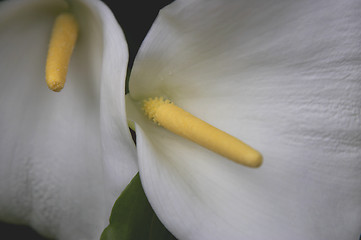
<point>184,124</point>
<point>62,42</point>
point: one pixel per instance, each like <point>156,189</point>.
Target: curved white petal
<point>52,145</point>
<point>282,76</point>
<point>119,154</point>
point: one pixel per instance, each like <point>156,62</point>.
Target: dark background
<point>135,17</point>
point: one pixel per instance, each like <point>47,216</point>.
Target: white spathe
<point>283,76</point>
<point>64,157</point>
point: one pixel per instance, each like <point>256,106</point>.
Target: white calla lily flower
<point>284,76</point>
<point>64,158</point>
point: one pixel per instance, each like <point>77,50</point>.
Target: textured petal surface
<point>282,76</point>
<point>51,144</point>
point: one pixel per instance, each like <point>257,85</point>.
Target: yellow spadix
<point>62,42</point>
<point>182,123</point>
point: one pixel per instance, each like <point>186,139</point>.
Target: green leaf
<point>133,218</point>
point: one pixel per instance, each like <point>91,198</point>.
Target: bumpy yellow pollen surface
<point>62,42</point>
<point>184,124</point>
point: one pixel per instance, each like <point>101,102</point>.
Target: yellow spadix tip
<point>163,112</point>
<point>62,42</point>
